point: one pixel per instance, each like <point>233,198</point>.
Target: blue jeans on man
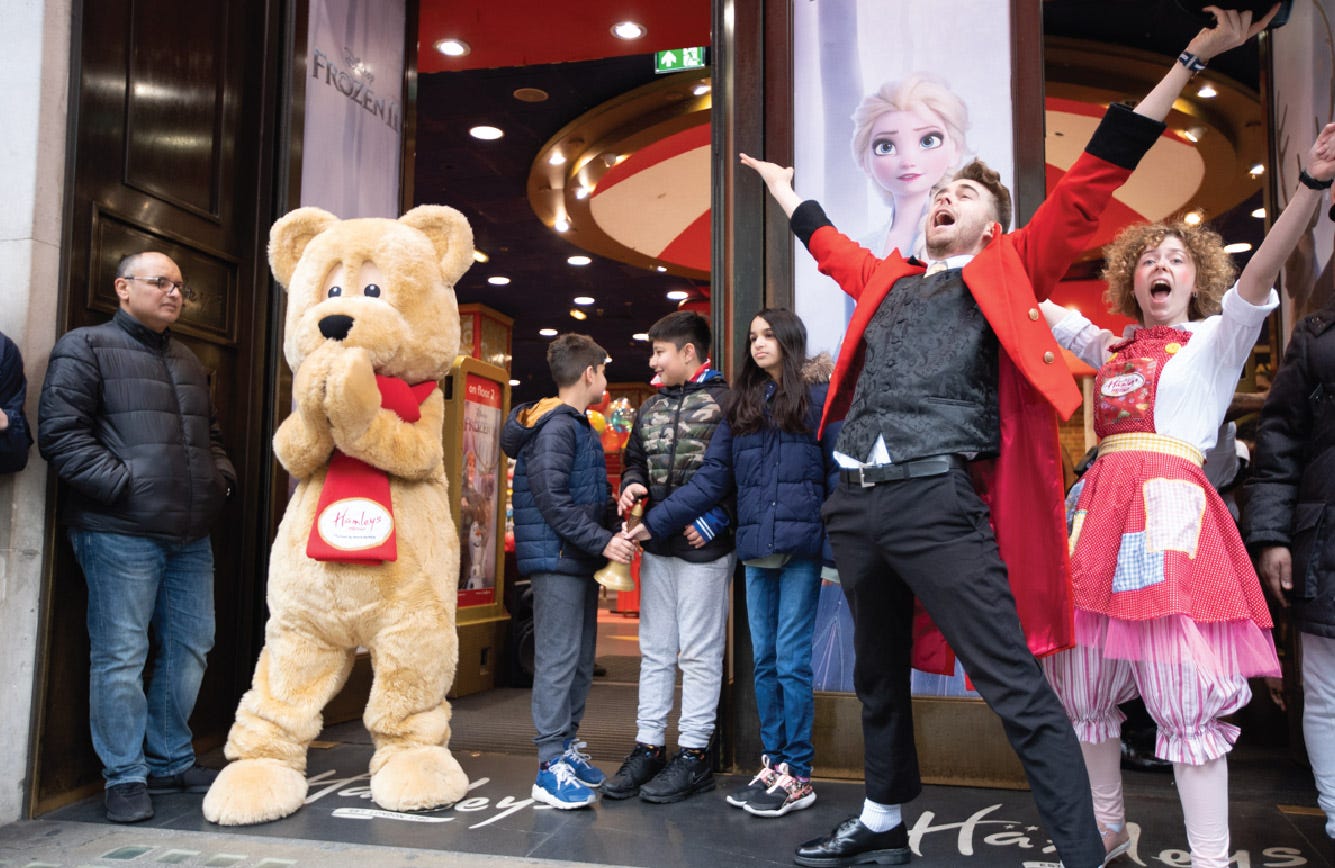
<point>136,583</point>
<point>781,605</point>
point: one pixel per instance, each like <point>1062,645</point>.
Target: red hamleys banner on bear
<point>354,519</point>
<point>481,439</point>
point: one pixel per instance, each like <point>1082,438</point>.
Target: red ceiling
<point>525,32</point>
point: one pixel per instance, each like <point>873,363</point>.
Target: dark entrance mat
<point>952,826</point>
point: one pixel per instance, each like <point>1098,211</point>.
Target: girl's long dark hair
<point>789,408</point>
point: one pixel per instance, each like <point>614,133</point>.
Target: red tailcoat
<point>1023,486</point>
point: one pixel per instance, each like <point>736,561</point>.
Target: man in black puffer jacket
<point>127,422</point>
<point>1289,523</point>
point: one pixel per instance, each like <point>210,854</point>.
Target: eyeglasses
<point>164,285</point>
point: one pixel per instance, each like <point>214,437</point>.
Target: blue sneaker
<point>556,785</point>
<point>589,775</point>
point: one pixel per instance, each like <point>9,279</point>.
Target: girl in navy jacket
<point>767,449</point>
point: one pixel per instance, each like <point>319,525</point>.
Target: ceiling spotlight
<point>548,333</point>
<point>576,313</point>
<point>514,382</point>
<point>479,256</point>
<point>578,259</point>
<point>1207,91</point>
<point>660,268</point>
<point>453,47</point>
<point>640,336</point>
<point>530,94</point>
<point>1257,169</point>
<point>557,159</point>
<point>628,30</point>
<point>678,295</point>
<point>486,133</point>
<point>498,280</point>
<point>1237,247</point>
<point>581,193</point>
<point>561,224</point>
<point>1192,218</point>
<point>701,89</point>
<point>1259,213</point>
<point>1193,134</point>
<point>583,300</point>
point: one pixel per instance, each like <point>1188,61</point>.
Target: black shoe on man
<point>852,843</point>
<point>195,779</point>
<point>688,773</point>
<point>637,769</point>
<point>128,803</point>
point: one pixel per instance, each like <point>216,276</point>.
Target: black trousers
<point>931,538</point>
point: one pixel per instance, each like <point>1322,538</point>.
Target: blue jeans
<point>781,609</point>
<point>135,583</point>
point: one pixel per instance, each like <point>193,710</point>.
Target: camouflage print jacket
<point>667,445</point>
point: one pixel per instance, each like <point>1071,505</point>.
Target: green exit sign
<point>677,59</point>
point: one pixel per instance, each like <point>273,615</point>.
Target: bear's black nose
<point>335,326</point>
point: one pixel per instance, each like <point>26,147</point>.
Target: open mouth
<point>1160,289</point>
<point>943,218</point>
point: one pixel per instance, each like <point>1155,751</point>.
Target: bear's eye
<point>335,291</point>
<point>371,291</point>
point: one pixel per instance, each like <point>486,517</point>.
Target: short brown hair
<point>683,327</point>
<point>987,178</point>
<point>570,355</point>
<point>1214,268</point>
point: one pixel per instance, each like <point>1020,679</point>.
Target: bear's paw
<point>419,779</point>
<point>254,791</point>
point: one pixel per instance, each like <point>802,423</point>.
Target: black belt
<point>934,465</point>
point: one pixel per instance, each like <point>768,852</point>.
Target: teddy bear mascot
<point>366,554</point>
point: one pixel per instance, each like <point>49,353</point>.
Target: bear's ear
<point>450,234</point>
<point>290,235</point>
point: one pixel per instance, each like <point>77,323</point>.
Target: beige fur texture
<point>395,280</point>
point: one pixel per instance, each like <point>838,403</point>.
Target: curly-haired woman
<point>1168,605</point>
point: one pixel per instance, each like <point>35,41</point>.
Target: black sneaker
<point>128,803</point>
<point>789,793</point>
<point>195,779</point>
<point>638,768</point>
<point>764,779</point>
<point>688,773</point>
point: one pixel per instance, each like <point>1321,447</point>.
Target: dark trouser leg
<point>882,609</point>
<point>935,534</point>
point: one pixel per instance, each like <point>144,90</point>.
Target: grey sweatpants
<point>683,622</point>
<point>565,632</point>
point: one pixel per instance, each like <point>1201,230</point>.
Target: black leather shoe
<point>852,843</point>
<point>128,803</point>
<point>195,779</point>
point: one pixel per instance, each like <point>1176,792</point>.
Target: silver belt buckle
<point>862,478</point>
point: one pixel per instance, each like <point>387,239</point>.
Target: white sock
<point>1204,793</point>
<point>878,817</point>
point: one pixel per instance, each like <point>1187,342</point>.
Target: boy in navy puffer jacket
<point>563,512</point>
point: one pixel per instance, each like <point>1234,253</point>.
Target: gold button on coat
<point>1049,358</point>
<point>1033,313</point>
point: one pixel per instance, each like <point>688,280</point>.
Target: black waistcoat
<point>929,374</point>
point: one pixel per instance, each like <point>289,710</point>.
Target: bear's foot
<point>419,779</point>
<point>254,791</point>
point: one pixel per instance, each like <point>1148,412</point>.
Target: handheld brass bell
<point>616,576</point>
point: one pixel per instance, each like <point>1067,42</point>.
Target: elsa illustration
<point>908,135</point>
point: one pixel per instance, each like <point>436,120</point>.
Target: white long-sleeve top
<point>1197,383</point>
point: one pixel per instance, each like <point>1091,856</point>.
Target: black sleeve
<point>1123,136</point>
<point>806,219</point>
<point>16,439</point>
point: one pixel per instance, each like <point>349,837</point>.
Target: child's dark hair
<point>684,327</point>
<point>789,408</point>
<point>570,355</point>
